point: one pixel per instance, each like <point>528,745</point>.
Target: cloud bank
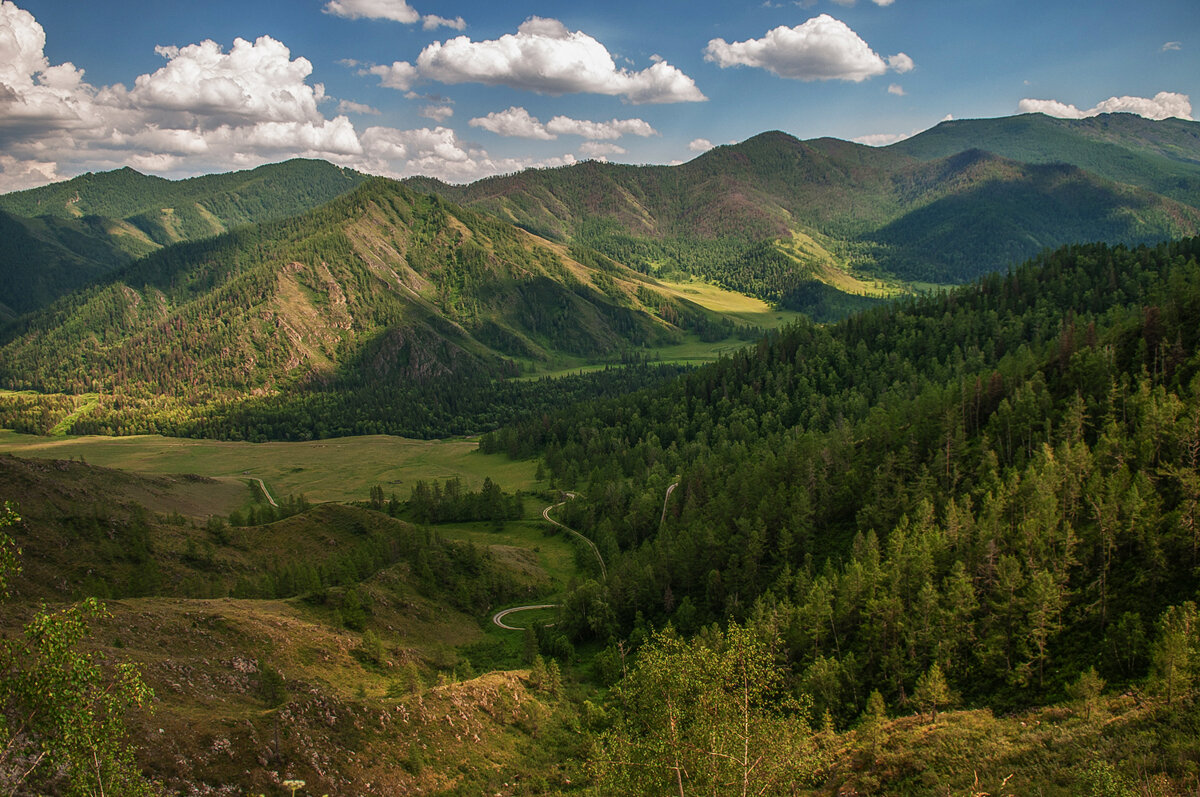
<point>207,108</point>
<point>518,123</point>
<point>1164,105</point>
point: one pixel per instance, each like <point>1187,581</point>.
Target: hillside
<point>382,288</point>
<point>883,218</point>
<point>67,235</point>
<point>1159,156</point>
<point>307,641</point>
<point>999,482</point>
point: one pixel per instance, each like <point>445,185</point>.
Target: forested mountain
<point>999,481</point>
<point>71,233</point>
<point>383,289</point>
<point>1160,156</point>
<point>866,215</point>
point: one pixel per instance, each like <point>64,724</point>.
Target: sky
<point>463,89</point>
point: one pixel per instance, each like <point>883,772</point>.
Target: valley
<point>812,467</point>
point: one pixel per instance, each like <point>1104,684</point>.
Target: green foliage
<point>1087,690</point>
<point>62,714</point>
<point>932,691</point>
<point>710,715</point>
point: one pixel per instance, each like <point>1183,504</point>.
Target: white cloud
<point>16,175</point>
<point>1168,46</point>
<point>900,62</point>
<point>395,10</point>
<point>513,123</point>
<point>883,139</point>
<point>400,75</point>
<point>251,83</point>
<point>518,123</point>
<point>700,145</point>
<point>545,57</point>
<point>613,129</point>
<point>1163,105</point>
<point>896,89</point>
<point>348,106</point>
<point>600,150</point>
<point>439,153</point>
<point>823,48</point>
<point>433,21</point>
<point>438,113</point>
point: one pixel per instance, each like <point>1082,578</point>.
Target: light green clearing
<point>556,553</point>
<point>338,469</point>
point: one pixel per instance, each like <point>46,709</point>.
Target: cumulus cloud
<point>439,152</point>
<point>16,175</point>
<point>400,75</point>
<point>513,123</point>
<point>518,123</point>
<point>700,145</point>
<point>901,63</point>
<point>206,108</point>
<point>395,10</point>
<point>438,113</point>
<point>600,150</point>
<point>1169,46</point>
<point>1164,105</point>
<point>896,89</point>
<point>823,48</point>
<point>545,57</point>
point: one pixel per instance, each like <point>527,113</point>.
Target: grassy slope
<point>343,725</point>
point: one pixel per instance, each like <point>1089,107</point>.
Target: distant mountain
<point>382,286</point>
<point>65,235</point>
<point>1159,156</point>
<point>941,209</point>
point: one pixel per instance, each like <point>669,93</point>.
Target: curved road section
<point>592,545</point>
<point>498,617</point>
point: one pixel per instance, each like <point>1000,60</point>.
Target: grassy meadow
<point>340,469</point>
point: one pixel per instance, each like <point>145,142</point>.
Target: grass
<point>555,553</point>
<point>738,307</point>
<point>339,469</point>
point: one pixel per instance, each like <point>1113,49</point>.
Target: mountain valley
<point>867,471</point>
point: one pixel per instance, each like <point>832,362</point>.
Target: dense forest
<point>999,481</point>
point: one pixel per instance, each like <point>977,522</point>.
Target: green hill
<point>381,289</point>
<point>884,218</point>
<point>69,234</point>
<point>1159,156</point>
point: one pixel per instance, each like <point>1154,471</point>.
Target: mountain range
<point>302,275</point>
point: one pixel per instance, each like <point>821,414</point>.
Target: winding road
<point>498,617</point>
<point>592,545</point>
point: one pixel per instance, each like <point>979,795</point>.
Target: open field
<point>340,469</point>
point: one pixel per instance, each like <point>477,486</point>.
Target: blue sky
<point>459,89</point>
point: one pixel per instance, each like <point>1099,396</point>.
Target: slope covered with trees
<point>911,212</point>
<point>999,481</point>
<point>381,298</point>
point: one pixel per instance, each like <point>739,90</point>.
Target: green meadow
<point>339,469</point>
